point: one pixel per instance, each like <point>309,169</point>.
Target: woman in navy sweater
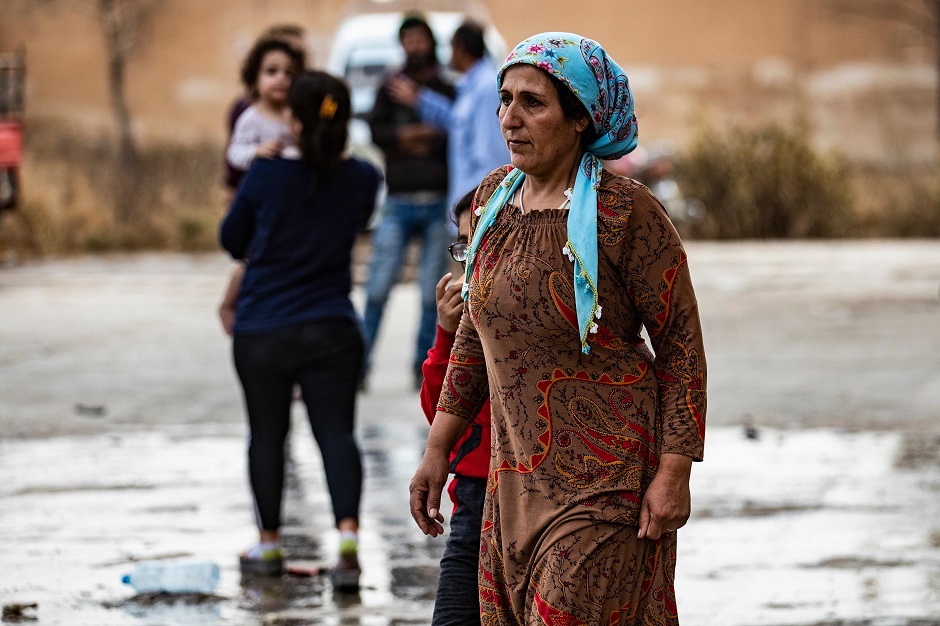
<point>294,221</point>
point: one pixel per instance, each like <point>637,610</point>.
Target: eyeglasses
<point>458,251</point>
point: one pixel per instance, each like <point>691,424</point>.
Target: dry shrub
<point>766,182</point>
<point>904,203</point>
<point>76,196</point>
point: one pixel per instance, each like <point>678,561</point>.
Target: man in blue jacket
<point>475,144</point>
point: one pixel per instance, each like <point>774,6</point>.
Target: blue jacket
<point>475,144</point>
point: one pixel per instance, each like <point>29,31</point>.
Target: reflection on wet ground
<point>122,440</point>
<point>788,527</point>
<point>87,508</point>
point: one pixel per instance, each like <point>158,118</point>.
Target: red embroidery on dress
<point>669,276</point>
<point>553,616</point>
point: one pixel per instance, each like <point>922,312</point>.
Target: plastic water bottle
<point>173,577</point>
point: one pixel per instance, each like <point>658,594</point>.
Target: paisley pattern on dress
<point>577,437</point>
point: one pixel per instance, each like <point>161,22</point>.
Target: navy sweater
<point>297,238</point>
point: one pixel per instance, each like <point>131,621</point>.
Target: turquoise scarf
<point>602,87</point>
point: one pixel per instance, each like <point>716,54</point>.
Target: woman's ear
<point>581,124</point>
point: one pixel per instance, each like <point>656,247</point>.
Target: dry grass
<point>769,182</point>
<point>77,197</point>
<point>898,203</point>
<point>765,182</point>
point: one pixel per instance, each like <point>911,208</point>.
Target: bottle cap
<point>126,579</point>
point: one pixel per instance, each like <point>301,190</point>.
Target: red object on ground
<point>304,572</point>
<point>11,144</point>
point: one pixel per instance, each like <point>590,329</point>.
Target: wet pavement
<point>122,440</point>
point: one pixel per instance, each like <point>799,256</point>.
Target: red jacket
<point>471,456</point>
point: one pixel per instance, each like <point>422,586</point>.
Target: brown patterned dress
<point>577,437</point>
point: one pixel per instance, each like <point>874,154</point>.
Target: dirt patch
<point>17,613</point>
<point>854,563</point>
<point>146,600</point>
<point>757,509</point>
<point>79,488</point>
<point>868,622</point>
<point>918,451</point>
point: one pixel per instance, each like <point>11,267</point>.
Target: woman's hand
<point>230,298</point>
<point>449,303</point>
<point>667,504</point>
<point>426,487</point>
<point>227,316</point>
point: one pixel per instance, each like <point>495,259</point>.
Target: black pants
<point>325,359</point>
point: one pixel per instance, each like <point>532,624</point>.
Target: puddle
<point>810,515</point>
<point>127,452</point>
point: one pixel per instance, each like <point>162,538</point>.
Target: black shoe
<point>268,563</point>
<point>345,576</point>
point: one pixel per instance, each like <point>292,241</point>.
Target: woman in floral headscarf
<point>593,435</point>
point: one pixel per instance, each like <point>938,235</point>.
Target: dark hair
<point>279,31</point>
<point>252,65</point>
<point>469,37</point>
<point>575,110</point>
<point>320,102</point>
<point>415,20</point>
<point>463,204</point>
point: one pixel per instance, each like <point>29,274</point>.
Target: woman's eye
<point>506,100</point>
<point>534,102</point>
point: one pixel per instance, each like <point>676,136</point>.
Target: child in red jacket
<point>457,602</point>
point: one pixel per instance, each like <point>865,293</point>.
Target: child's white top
<point>251,130</point>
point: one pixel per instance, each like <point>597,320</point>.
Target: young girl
<point>262,131</point>
<point>295,321</point>
<point>292,34</point>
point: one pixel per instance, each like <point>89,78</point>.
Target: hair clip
<point>328,107</point>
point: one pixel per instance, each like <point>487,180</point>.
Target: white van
<point>366,47</point>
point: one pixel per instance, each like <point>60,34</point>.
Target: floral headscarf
<point>601,86</point>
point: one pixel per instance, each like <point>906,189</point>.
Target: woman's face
<point>542,141</point>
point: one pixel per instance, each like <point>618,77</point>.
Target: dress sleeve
<point>655,267</point>
<point>466,387</point>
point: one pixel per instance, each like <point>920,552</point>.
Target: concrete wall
<point>690,61</point>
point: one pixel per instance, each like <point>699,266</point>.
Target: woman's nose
<point>508,118</point>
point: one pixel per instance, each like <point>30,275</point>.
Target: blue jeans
<point>402,219</point>
<point>458,597</point>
